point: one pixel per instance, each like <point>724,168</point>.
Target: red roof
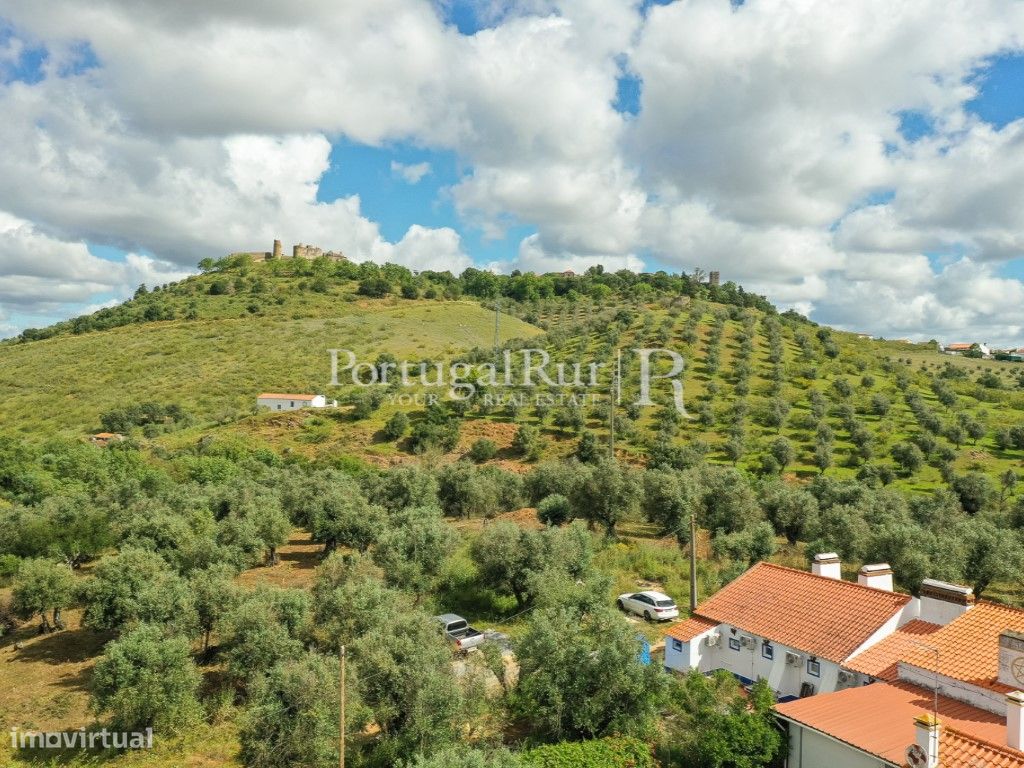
<point>958,346</point>
<point>814,614</point>
<point>969,645</point>
<point>881,658</point>
<point>689,629</point>
<point>879,719</point>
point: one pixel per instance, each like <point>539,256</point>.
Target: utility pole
<point>341,717</point>
<point>497,325</point>
<point>693,563</point>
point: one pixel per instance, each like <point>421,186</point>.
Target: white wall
<point>982,698</point>
<point>810,749</point>
<point>286,404</point>
<point>784,679</point>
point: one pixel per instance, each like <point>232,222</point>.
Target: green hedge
<point>622,752</point>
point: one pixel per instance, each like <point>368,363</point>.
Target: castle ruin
<point>299,251</point>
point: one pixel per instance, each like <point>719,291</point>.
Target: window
<point>814,668</point>
<point>734,644</point>
<point>292,404</point>
<point>677,645</point>
<point>767,650</point>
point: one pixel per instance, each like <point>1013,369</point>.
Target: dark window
<point>813,668</point>
<point>767,650</point>
<point>734,644</point>
<point>677,645</point>
<point>665,604</point>
<point>645,599</point>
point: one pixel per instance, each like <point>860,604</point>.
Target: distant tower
<point>277,249</point>
<point>713,278</point>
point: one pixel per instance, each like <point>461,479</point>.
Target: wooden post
<point>693,563</point>
<point>341,717</point>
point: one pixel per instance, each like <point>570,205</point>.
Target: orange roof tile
<point>690,628</point>
<point>814,614</point>
<point>879,719</point>
<point>969,645</point>
<point>880,659</point>
<point>279,396</point>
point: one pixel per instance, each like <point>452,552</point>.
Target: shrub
<point>395,427</point>
<point>617,752</point>
<point>483,450</point>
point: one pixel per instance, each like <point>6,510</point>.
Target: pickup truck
<point>459,633</point>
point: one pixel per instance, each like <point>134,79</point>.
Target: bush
<point>483,450</point>
<point>617,752</point>
<point>395,427</point>
<point>554,510</point>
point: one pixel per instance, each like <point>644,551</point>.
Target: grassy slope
<point>215,367</point>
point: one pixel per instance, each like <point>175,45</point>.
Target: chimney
<point>827,564</point>
<point>877,576</point>
<point>942,602</point>
<point>1011,659</point>
<point>1015,720</point>
<point>926,730</point>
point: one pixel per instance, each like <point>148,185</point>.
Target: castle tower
<point>713,278</point>
<point>277,249</point>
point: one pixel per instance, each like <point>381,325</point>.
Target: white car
<point>653,606</point>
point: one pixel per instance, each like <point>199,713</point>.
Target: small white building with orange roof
<point>278,401</point>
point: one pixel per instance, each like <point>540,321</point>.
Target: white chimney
<point>1011,659</point>
<point>877,576</point>
<point>827,564</point>
<point>942,602</point>
<point>927,729</point>
<point>1014,720</point>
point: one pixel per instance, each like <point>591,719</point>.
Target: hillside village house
<point>974,662</point>
<point>962,348</point>
<point>792,628</point>
<point>932,682</point>
<point>285,402</point>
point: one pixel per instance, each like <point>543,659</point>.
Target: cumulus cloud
<point>767,145</point>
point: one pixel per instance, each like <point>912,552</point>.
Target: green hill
<point>768,392</point>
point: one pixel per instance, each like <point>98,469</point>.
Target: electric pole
<point>341,716</point>
<point>693,563</point>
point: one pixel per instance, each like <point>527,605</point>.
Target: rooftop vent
<point>877,576</point>
<point>827,564</point>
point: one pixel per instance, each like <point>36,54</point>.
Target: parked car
<point>459,633</point>
<point>653,606</point>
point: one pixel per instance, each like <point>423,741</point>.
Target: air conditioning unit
<point>794,659</point>
<point>748,642</point>
<point>712,640</point>
<point>845,677</point>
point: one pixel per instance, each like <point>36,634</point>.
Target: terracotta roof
<point>879,719</point>
<point>969,645</point>
<point>690,628</point>
<point>958,346</point>
<point>278,396</point>
<point>880,659</point>
<point>814,614</point>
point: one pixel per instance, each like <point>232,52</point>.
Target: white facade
<point>758,658</point>
<point>810,749</point>
<point>279,402</point>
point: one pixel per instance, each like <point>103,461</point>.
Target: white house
<point>285,402</point>
<point>793,628</point>
<point>970,654</point>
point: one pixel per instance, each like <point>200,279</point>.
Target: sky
<point>860,162</point>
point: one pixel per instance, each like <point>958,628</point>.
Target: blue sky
<point>677,135</point>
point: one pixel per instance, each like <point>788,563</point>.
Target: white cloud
<point>765,128</point>
<point>412,174</point>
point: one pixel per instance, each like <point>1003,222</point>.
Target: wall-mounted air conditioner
<point>794,659</point>
<point>712,640</point>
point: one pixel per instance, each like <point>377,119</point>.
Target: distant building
<point>962,348</point>
<point>105,438</point>
<point>714,278</point>
<point>285,402</point>
<point>299,251</point>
